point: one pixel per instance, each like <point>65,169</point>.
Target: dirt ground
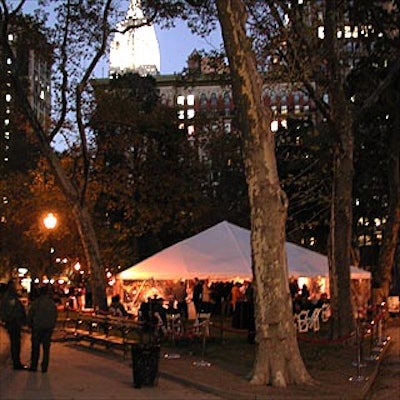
<point>341,370</point>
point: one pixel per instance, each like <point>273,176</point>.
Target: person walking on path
<point>42,317</point>
<point>12,313</point>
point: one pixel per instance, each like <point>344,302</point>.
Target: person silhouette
<point>12,313</point>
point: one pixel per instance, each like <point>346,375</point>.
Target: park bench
<point>112,332</point>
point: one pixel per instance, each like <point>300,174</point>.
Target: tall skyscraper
<point>32,58</point>
<point>135,46</point>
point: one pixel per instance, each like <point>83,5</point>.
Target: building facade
<point>31,61</point>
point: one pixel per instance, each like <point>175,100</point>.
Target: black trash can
<point>145,358</point>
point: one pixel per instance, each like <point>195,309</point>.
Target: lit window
<point>42,94</point>
<point>181,126</point>
<point>8,97</point>
<point>274,126</point>
<point>190,100</point>
<point>180,100</point>
<point>227,127</point>
<point>10,37</point>
<point>190,113</point>
<point>284,123</point>
<point>6,122</point>
<point>320,33</point>
<point>284,110</point>
<point>181,114</point>
<point>9,61</point>
<point>190,130</point>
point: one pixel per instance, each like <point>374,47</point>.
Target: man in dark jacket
<point>42,317</point>
<point>13,314</point>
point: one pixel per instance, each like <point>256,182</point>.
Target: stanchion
<point>174,323</point>
<point>202,363</point>
<point>358,363</point>
<point>373,356</point>
<point>382,338</point>
<point>359,344</point>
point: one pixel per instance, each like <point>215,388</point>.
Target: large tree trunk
<point>391,231</point>
<point>82,217</point>
<point>341,129</point>
<point>278,361</point>
<point>340,238</point>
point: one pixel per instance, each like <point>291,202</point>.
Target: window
<point>213,101</point>
<point>203,101</point>
<point>180,100</point>
<point>190,100</point>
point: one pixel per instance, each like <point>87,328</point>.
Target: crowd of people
<point>40,317</point>
<point>301,299</point>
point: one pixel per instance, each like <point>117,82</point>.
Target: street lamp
<point>50,222</point>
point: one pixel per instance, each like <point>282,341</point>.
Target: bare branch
<point>80,89</point>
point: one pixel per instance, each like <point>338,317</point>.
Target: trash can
<point>145,358</point>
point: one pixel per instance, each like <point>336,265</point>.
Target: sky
<point>178,43</point>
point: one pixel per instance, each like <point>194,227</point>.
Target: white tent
<point>223,252</point>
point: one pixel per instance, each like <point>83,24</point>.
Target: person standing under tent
<point>197,295</point>
<point>180,296</point>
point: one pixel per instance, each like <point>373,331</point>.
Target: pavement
<point>77,372</point>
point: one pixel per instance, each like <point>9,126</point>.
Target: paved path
<point>82,374</point>
<point>79,373</point>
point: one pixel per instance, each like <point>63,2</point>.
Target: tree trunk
<point>340,240</point>
<point>391,231</point>
<point>341,129</point>
<point>278,361</point>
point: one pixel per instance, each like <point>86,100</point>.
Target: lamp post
<point>50,222</point>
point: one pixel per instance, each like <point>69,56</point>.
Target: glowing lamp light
<point>22,271</point>
<point>50,221</point>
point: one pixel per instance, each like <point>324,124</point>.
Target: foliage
<point>147,176</point>
<point>303,157</point>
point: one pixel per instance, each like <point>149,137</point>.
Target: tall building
<point>32,60</point>
<point>135,46</point>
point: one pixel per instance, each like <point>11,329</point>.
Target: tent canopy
<point>223,252</point>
